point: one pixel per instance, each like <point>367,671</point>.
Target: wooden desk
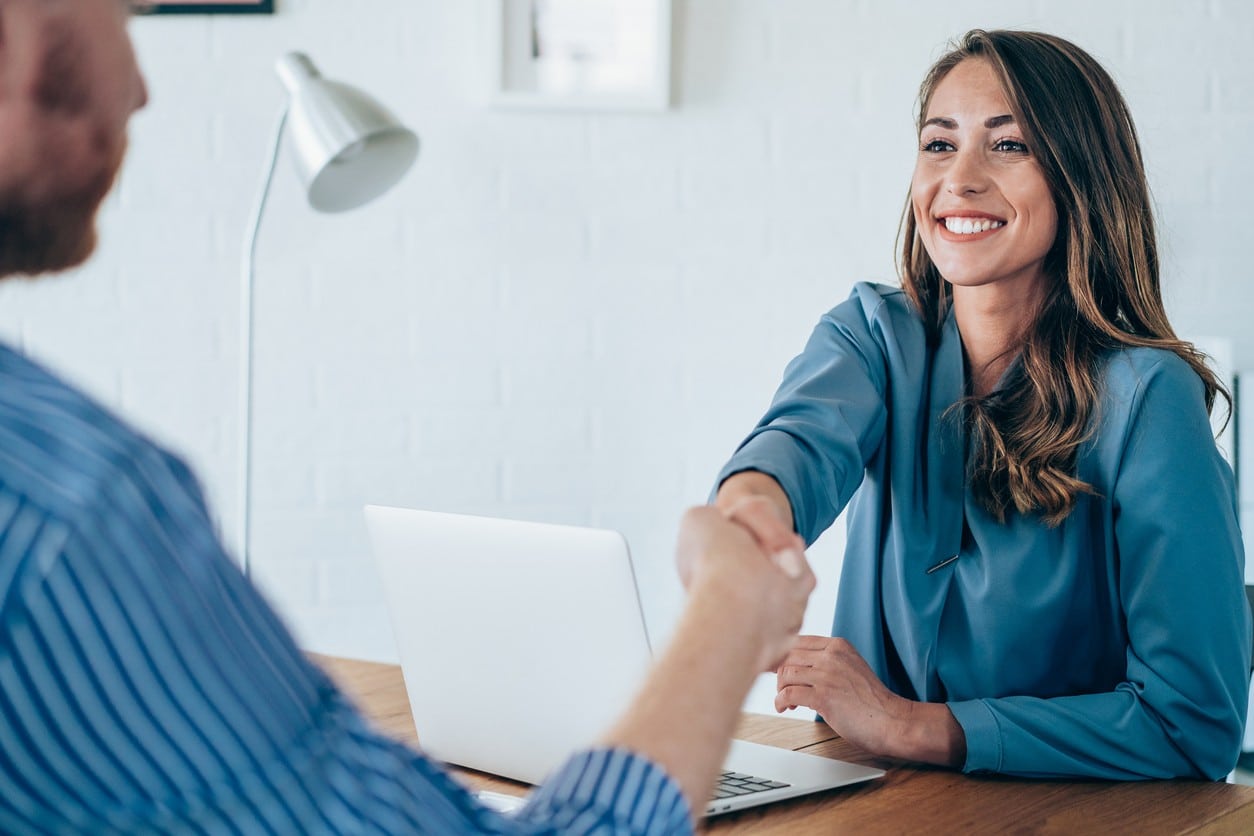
<point>909,799</point>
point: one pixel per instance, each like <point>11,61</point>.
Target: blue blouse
<point>1116,645</point>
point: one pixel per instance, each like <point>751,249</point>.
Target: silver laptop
<point>523,642</point>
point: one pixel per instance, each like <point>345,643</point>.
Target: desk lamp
<point>348,150</point>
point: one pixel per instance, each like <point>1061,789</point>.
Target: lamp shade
<point>348,149</point>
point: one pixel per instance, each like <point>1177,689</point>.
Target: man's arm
<point>145,684</point>
<point>743,613</point>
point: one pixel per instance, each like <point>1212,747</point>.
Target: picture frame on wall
<point>581,54</point>
<point>210,7</point>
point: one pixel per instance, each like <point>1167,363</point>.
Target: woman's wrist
<point>748,483</point>
<point>928,733</point>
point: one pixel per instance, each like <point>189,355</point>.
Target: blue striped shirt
<point>146,687</point>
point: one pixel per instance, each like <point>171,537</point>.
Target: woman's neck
<point>992,320</point>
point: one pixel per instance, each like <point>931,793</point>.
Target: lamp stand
<point>243,546</point>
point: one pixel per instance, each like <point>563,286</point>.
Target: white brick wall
<point>563,316</point>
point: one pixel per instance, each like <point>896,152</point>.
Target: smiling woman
<point>976,181</point>
<point>1056,140</point>
<point>981,203</point>
<point>1043,572</point>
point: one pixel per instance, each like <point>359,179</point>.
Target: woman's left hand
<point>829,676</point>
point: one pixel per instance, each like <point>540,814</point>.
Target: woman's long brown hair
<point>1103,277</point>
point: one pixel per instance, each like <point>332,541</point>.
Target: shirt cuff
<point>979,724</point>
<point>609,790</point>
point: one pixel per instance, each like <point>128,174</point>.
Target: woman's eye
<point>1012,146</point>
<point>936,146</point>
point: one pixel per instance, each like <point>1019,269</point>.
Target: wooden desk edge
<point>379,690</point>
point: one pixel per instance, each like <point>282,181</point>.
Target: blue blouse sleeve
<point>827,417</point>
<point>1181,709</point>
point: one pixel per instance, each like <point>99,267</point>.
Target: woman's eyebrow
<point>952,124</point>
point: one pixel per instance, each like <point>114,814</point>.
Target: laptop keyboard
<point>737,783</point>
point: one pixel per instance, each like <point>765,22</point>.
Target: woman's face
<point>981,203</point>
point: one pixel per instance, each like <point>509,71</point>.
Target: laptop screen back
<point>520,642</point>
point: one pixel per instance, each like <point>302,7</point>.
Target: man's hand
<point>773,534</point>
<point>744,610</point>
<point>829,676</point>
<point>761,583</point>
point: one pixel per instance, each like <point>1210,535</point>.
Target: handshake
<point>744,562</point>
<point>748,583</point>
<point>744,568</point>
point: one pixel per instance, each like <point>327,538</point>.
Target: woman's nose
<point>966,175</point>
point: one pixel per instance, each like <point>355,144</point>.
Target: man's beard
<point>56,232</point>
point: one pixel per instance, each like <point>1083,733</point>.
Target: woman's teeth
<point>969,226</point>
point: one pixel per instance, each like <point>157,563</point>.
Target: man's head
<point>68,86</point>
